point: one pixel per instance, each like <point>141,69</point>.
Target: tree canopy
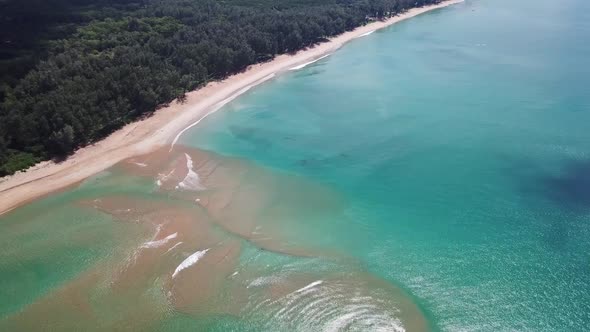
<point>73,71</point>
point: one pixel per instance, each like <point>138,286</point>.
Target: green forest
<point>73,71</point>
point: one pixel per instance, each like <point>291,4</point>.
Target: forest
<point>74,71</point>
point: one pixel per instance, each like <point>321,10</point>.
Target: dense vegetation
<point>73,71</point>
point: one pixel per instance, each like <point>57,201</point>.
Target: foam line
<point>174,246</point>
<point>309,63</point>
<point>366,33</point>
<point>189,261</point>
<point>159,243</point>
<point>310,286</point>
<point>218,106</point>
<point>191,181</point>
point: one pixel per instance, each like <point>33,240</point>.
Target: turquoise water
<point>434,175</point>
<point>461,142</point>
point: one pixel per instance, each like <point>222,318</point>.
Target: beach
<point>430,176</point>
<point>166,125</point>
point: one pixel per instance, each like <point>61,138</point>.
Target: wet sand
<point>164,126</point>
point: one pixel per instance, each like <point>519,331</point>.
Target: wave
<point>189,261</point>
<point>366,33</point>
<point>309,63</point>
<point>163,177</point>
<point>174,247</point>
<point>159,243</point>
<point>191,181</point>
<point>333,306</point>
<point>310,286</point>
<point>217,106</point>
<point>263,281</point>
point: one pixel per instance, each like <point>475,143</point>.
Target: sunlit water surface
<point>431,176</point>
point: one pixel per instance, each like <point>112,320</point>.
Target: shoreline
<point>168,123</point>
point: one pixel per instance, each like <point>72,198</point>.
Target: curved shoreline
<point>167,124</point>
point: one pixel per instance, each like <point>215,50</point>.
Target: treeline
<point>104,64</point>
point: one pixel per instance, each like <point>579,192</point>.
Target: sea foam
<point>191,181</point>
<point>310,286</point>
<point>367,33</point>
<point>218,106</point>
<point>189,261</point>
<point>174,247</point>
<point>308,63</point>
<point>159,243</point>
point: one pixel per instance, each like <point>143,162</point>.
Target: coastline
<point>168,123</point>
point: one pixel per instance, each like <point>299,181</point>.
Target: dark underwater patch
<point>251,135</point>
<point>570,188</point>
<point>565,193</point>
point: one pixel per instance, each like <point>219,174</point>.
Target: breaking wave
<point>309,63</point>
<point>191,181</point>
<point>366,33</point>
<point>331,306</point>
<point>159,243</point>
<point>189,261</point>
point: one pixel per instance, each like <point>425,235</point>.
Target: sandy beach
<point>168,123</point>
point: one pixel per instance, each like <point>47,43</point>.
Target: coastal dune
<point>168,123</point>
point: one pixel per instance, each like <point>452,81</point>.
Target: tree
<point>99,64</point>
<point>62,141</point>
<point>3,150</point>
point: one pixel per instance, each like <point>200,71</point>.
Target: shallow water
<point>192,238</point>
<point>431,176</point>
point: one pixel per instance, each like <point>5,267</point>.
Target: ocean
<point>430,176</point>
